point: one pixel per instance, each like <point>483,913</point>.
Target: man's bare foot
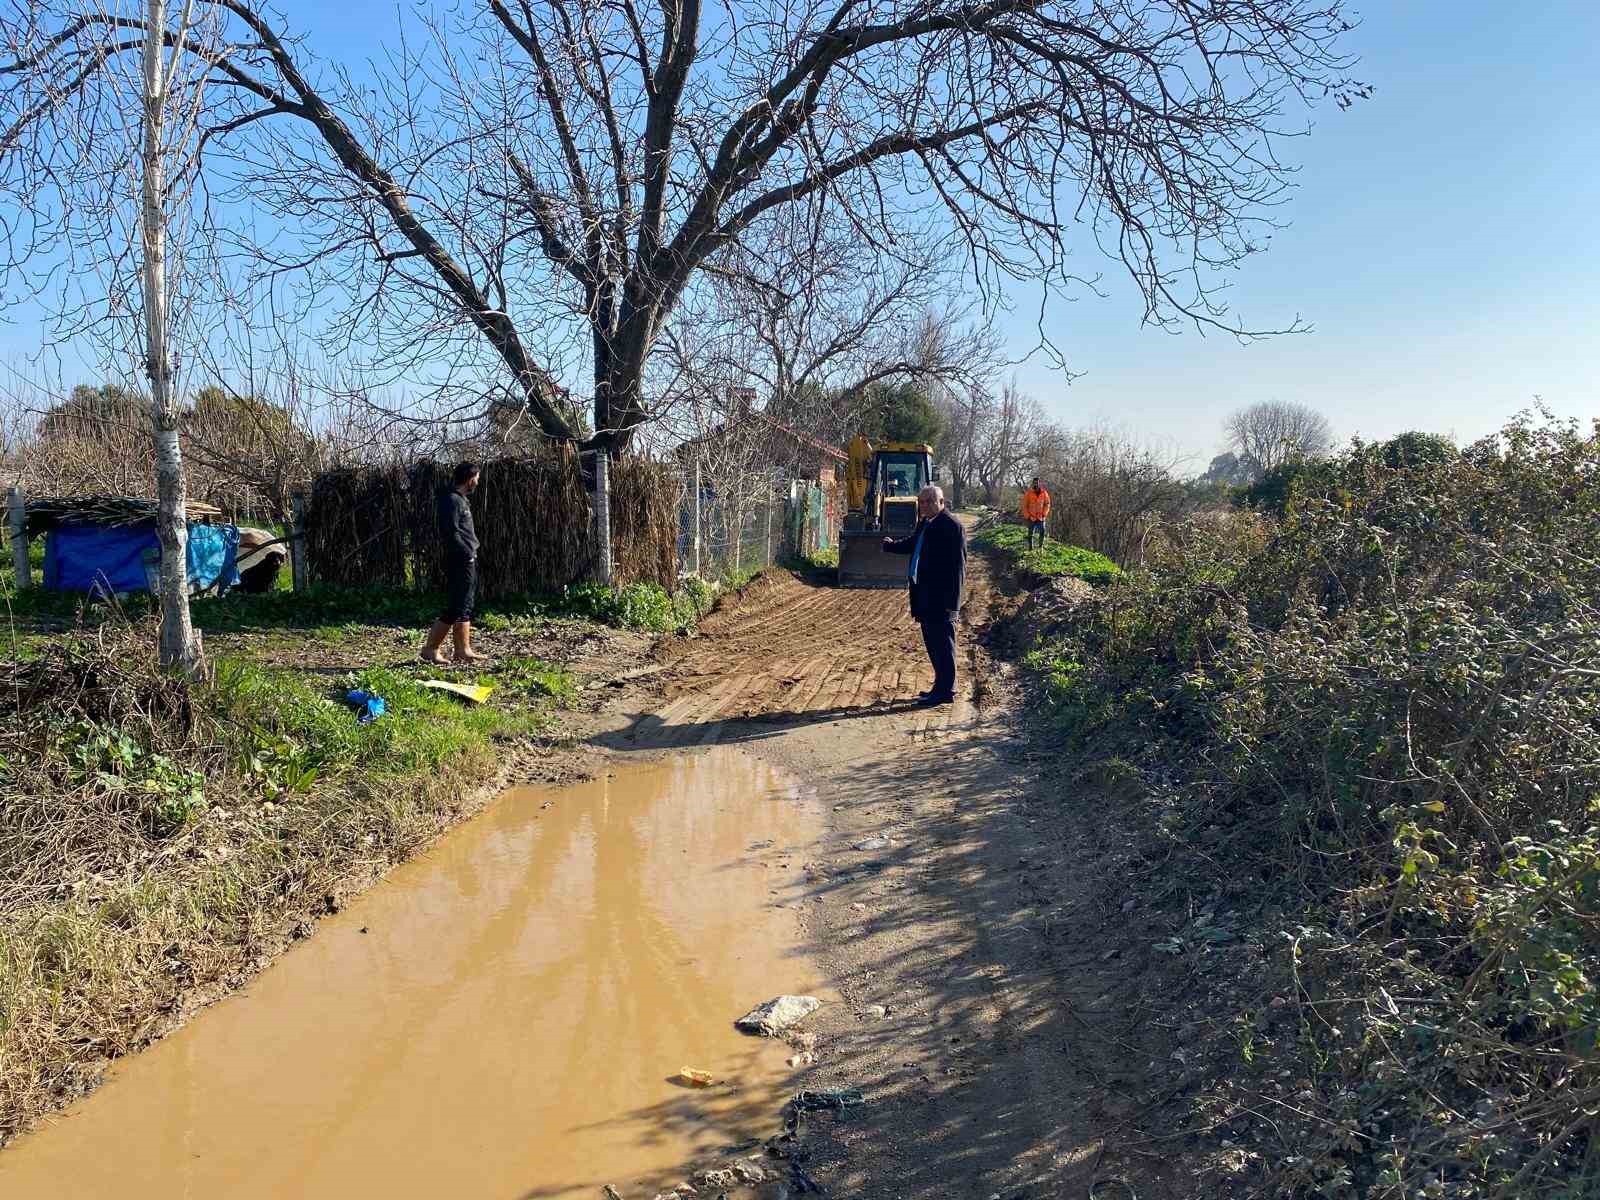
<point>472,656</point>
<point>433,660</point>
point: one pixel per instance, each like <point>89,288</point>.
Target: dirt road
<point>946,908</point>
<point>940,898</point>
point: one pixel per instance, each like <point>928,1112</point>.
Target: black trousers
<point>939,636</point>
<point>461,589</point>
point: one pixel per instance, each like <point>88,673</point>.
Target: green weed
<point>1051,560</point>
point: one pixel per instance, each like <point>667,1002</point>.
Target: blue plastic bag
<point>369,707</point>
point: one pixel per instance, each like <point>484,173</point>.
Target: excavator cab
<point>883,484</point>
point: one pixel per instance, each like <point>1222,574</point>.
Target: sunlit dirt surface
<point>501,1018</point>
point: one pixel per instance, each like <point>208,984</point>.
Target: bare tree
<point>103,151</point>
<point>535,188</point>
<point>799,316</point>
<point>1110,489</point>
<point>180,645</point>
<point>1004,439</point>
<point>1272,432</point>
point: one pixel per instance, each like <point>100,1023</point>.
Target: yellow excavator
<point>882,483</point>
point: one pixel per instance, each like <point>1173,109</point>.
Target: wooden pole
<point>769,522</point>
<point>602,516</point>
<point>17,522</point>
<point>297,543</point>
<point>697,513</point>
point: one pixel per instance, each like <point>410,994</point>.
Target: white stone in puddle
<point>778,1014</point>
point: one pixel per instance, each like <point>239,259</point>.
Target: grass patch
<point>325,608</point>
<point>1052,560</point>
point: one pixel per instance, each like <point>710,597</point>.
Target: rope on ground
<point>1096,1194</point>
<point>1096,1183</point>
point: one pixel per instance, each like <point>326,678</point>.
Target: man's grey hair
<point>932,492</point>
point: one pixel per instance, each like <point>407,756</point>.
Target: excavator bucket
<point>863,562</point>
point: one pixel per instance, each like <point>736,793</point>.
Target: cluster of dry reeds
<point>67,827</point>
<point>356,527</point>
<point>379,525</point>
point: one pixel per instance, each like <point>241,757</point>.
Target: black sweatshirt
<point>455,526</point>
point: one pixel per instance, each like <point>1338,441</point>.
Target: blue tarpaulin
<point>110,558</point>
<point>213,556</point>
<point>97,558</point>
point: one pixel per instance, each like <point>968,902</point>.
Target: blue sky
<point>1443,243</point>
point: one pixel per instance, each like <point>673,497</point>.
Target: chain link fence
<point>737,522</point>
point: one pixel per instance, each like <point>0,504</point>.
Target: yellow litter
<point>696,1078</point>
<point>477,693</point>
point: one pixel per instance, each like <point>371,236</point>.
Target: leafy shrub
<point>1052,560</point>
<point>1394,689</point>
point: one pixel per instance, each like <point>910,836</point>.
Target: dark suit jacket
<point>942,569</point>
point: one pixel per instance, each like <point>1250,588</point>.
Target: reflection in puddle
<point>506,1026</point>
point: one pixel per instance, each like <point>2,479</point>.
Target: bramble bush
<point>1390,697</point>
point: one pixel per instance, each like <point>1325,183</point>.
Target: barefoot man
<point>460,568</point>
<point>938,550</point>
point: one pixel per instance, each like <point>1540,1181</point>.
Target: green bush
<point>1394,690</point>
<point>1052,560</point>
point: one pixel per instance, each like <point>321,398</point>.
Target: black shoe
<point>932,701</point>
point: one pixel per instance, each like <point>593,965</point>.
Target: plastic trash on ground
<point>474,693</point>
<point>369,707</point>
<point>696,1078</point>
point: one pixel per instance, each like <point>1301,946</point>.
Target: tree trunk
<point>180,647</point>
<point>602,516</point>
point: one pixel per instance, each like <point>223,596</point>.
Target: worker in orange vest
<point>1036,510</point>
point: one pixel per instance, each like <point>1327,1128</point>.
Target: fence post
<point>297,542</point>
<point>17,523</point>
<point>602,515</point>
<point>697,513</point>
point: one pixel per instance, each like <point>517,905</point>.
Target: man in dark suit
<point>938,550</point>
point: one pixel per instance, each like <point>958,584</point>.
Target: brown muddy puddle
<point>507,1024</point>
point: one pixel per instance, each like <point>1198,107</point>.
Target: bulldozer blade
<point>863,562</point>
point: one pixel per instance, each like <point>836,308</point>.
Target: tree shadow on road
<point>1014,1056</point>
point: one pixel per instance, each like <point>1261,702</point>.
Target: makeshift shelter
<point>107,545</point>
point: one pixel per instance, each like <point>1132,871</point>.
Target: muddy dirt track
<point>940,902</point>
<point>947,906</point>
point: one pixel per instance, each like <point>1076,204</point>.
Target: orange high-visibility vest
<point>1035,505</point>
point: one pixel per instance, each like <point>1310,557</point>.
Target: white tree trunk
<point>602,516</point>
<point>180,647</point>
